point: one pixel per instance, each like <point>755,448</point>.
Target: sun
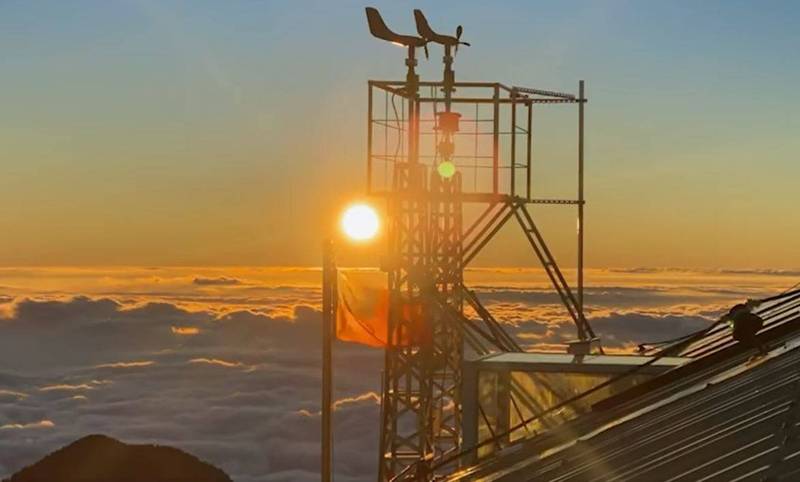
<point>360,222</point>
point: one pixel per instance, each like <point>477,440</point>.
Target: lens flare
<point>446,169</point>
<point>360,222</point>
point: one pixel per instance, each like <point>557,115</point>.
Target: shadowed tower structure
<point>452,161</point>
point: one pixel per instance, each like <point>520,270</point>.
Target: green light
<point>446,169</point>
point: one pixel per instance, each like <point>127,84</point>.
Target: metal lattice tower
<point>434,320</point>
<point>420,416</point>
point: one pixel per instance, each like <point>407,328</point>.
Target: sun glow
<point>360,222</point>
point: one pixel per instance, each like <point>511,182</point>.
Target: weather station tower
<point>451,162</point>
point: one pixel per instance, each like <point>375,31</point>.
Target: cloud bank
<point>225,364</point>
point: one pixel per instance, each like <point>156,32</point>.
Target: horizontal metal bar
<point>456,157</point>
<point>553,101</point>
<point>556,201</point>
<point>428,83</point>
<point>548,93</point>
<point>461,165</point>
<point>474,197</point>
<point>488,100</point>
<point>396,86</point>
<point>477,100</point>
<point>468,133</point>
<point>462,120</point>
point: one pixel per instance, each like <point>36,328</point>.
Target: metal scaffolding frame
<point>430,242</point>
<point>429,249</point>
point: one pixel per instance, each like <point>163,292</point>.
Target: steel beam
<point>326,410</point>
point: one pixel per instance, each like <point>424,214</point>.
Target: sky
<point>169,169</point>
<point>209,133</point>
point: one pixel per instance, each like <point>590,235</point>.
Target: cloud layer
<point>224,363</point>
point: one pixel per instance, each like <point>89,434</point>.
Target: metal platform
<point>723,416</point>
<point>504,389</point>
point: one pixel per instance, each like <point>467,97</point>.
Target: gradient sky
<point>216,133</point>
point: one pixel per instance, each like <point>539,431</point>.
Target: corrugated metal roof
<point>720,417</point>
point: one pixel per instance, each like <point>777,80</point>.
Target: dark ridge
<point>97,458</point>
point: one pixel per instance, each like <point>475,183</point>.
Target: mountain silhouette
<point>97,458</point>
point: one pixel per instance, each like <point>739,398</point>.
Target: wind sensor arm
<point>378,28</point>
<point>426,32</point>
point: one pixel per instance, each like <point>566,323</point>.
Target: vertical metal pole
<point>469,410</point>
<point>369,140</point>
<point>513,141</point>
<point>529,151</point>
<point>412,87</point>
<point>496,140</point>
<point>448,78</point>
<point>328,273</point>
<point>581,102</point>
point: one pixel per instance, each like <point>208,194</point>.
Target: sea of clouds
<point>225,362</point>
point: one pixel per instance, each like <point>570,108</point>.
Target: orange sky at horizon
<point>214,282</point>
<point>190,134</point>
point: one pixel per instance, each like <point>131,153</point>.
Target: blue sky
<point>145,132</point>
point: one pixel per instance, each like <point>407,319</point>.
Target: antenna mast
<point>413,164</point>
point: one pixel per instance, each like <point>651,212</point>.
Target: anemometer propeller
<point>426,32</point>
<point>379,29</point>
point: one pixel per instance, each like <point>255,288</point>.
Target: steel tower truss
<point>486,130</point>
<point>430,244</point>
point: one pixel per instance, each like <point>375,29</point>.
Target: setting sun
<point>360,222</point>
